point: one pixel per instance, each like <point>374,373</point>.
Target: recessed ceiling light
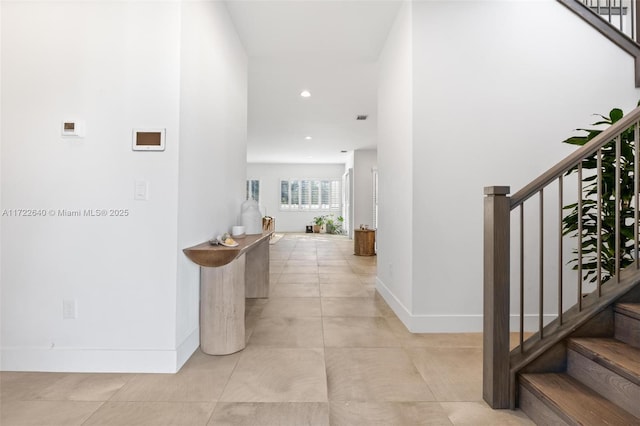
<point>305,93</point>
<point>308,138</point>
<point>362,117</point>
<point>344,151</point>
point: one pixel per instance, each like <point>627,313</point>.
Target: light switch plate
<point>69,309</point>
<point>141,191</point>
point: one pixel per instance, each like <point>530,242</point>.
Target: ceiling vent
<point>361,117</point>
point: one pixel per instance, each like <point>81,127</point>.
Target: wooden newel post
<point>495,372</point>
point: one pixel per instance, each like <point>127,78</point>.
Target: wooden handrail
<point>500,369</point>
<point>608,30</point>
<point>575,158</point>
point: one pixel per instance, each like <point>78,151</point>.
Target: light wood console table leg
<point>257,271</point>
<point>222,308</point>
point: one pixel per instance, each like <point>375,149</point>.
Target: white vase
<point>251,217</point>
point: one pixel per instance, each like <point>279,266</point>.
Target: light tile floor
<point>324,349</point>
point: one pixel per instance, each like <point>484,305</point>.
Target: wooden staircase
<point>598,382</point>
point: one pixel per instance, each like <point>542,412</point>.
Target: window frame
<point>307,195</point>
<point>250,192</point>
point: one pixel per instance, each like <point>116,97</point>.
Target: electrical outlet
<point>69,309</point>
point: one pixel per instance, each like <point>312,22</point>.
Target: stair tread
<point>629,309</point>
<point>613,354</point>
<point>575,401</point>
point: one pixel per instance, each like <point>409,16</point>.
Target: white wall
<point>347,194</point>
<point>496,87</point>
<point>270,176</point>
<point>361,162</point>
<point>365,160</point>
<point>115,65</point>
<point>213,134</point>
<point>395,165</point>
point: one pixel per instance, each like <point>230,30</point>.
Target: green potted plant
<point>609,200</point>
<point>318,223</point>
<point>334,226</point>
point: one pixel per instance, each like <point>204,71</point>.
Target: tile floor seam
<point>213,411</point>
<point>324,345</point>
<point>424,379</point>
<point>226,383</point>
<point>129,379</point>
<point>94,412</point>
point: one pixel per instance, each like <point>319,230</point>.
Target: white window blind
<point>335,195</point>
<point>310,194</point>
<point>285,199</point>
<point>253,190</point>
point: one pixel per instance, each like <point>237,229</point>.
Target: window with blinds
<point>310,194</point>
<point>253,190</point>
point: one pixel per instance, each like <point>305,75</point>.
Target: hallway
<point>323,349</point>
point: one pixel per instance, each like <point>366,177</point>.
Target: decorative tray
<point>235,244</point>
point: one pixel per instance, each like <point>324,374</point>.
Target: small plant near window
<point>318,223</point>
<point>334,226</point>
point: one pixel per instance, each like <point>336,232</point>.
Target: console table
<point>228,275</point>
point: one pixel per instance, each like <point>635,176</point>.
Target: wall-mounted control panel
<point>148,139</point>
<point>72,128</point>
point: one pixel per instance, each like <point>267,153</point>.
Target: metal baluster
<point>620,14</point>
<point>541,263</point>
<point>521,277</point>
<point>609,8</point>
<point>633,20</point>
<point>636,177</point>
<point>635,11</point>
<point>580,216</point>
<point>560,283</point>
<point>599,223</point>
<point>618,206</point>
<point>560,202</point>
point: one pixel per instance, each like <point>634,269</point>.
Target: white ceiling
<point>327,47</point>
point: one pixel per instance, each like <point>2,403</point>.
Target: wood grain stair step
<point>609,367</point>
<point>627,323</point>
<point>574,402</point>
<point>629,309</point>
<point>613,354</point>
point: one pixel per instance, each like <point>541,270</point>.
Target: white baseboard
<point>187,348</point>
<point>89,360</point>
<point>423,323</point>
<point>394,303</point>
<point>93,360</point>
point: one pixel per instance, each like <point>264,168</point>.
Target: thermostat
<point>72,128</point>
<point>148,139</point>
